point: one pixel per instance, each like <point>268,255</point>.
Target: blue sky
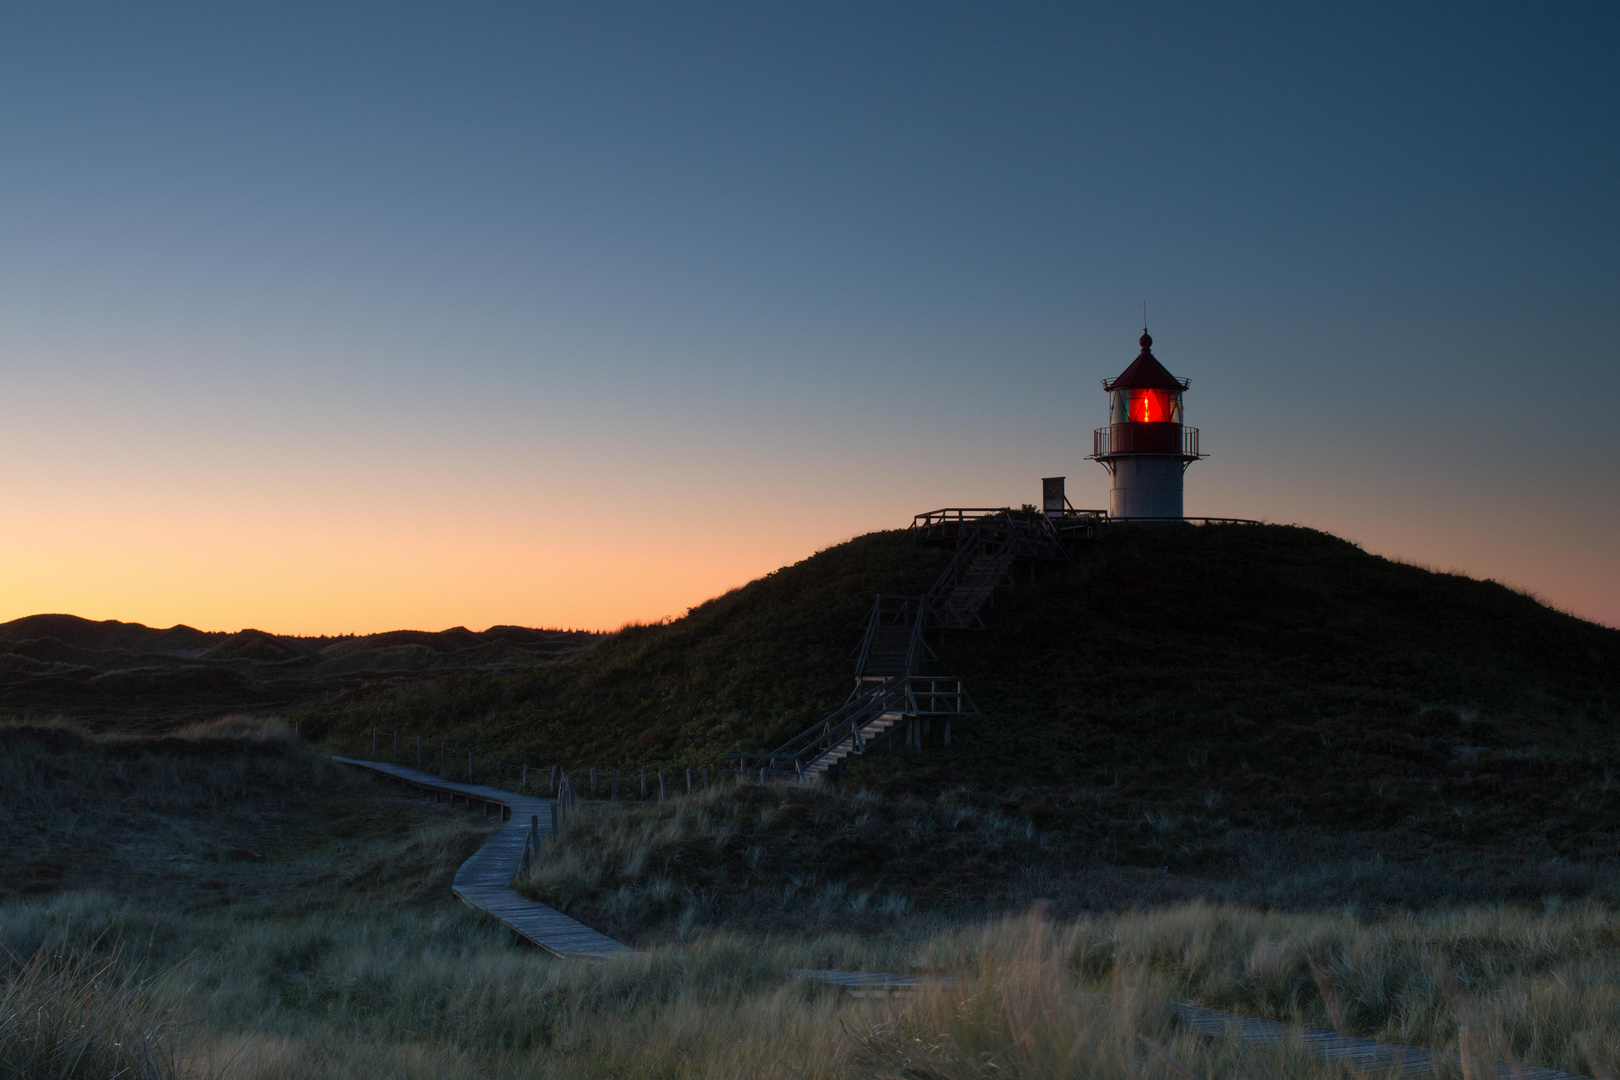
<point>378,293</point>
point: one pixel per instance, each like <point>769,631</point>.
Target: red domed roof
<point>1145,373</point>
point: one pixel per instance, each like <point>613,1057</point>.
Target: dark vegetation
<point>1233,704</point>
<point>1265,714</point>
<point>748,669</point>
<point>782,858</point>
<point>225,808</point>
<point>82,1017</point>
<point>336,952</point>
<point>128,673</point>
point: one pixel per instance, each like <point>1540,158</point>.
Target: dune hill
<point>62,664</point>
<point>1164,692</point>
<point>1176,699</point>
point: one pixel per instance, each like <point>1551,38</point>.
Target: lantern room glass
<point>1144,407</point>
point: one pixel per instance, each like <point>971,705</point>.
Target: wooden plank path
<point>485,880</point>
<point>1366,1056</point>
<point>1361,1055</point>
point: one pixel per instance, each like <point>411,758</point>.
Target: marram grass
<point>334,949</point>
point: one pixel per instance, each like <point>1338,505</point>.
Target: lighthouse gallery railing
<point>1133,438</point>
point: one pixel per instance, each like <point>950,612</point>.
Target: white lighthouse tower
<point>1145,447</point>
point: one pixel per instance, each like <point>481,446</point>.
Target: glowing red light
<point>1151,406</point>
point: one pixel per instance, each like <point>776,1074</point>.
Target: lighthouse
<point>1145,447</point>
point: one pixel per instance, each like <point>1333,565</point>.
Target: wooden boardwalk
<point>1366,1056</point>
<point>485,880</point>
<point>1360,1055</point>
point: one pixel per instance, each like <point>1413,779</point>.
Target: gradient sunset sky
<point>341,317</point>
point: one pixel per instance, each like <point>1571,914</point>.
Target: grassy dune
<point>334,949</point>
<point>1196,701</point>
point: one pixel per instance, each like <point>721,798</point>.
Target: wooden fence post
<point>661,795</point>
<point>531,843</point>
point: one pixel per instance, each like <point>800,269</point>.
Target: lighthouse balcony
<point>1171,440</point>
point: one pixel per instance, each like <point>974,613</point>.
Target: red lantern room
<point>1145,447</point>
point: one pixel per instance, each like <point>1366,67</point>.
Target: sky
<point>342,317</point>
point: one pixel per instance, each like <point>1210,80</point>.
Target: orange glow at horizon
<point>419,585</point>
<point>336,572</point>
<point>310,580</point>
<point>357,555</point>
<point>357,537</point>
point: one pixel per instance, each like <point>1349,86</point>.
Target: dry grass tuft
<point>778,858</point>
<point>67,1015</point>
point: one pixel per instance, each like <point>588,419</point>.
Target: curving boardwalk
<point>485,880</point>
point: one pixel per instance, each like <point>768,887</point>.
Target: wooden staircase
<point>893,644</point>
<point>832,757</point>
<point>872,713</point>
<point>957,605</point>
<point>888,689</point>
<point>987,549</point>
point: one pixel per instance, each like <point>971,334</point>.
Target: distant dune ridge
<point>119,669</point>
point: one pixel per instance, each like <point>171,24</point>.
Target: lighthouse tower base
<point>1146,487</point>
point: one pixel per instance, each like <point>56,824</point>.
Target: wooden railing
<point>630,781</point>
<point>909,695</point>
<point>956,515</point>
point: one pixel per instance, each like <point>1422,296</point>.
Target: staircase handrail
<point>845,721</point>
<point>911,695</point>
<point>872,622</point>
<point>875,620</point>
<point>966,552</point>
<point>1050,543</point>
<point>937,598</point>
<point>918,642</point>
